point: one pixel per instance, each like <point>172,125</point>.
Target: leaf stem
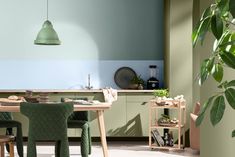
<point>230,22</point>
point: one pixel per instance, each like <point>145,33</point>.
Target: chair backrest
<point>78,115</point>
<point>47,121</point>
<point>5,116</point>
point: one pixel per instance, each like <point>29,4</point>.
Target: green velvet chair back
<point>5,116</point>
<point>47,122</point>
<point>80,115</point>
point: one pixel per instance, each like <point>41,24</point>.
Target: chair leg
<point>9,131</point>
<point>2,150</point>
<point>11,149</point>
<point>89,136</point>
<point>19,141</point>
<point>85,141</point>
<point>31,148</point>
<point>64,150</point>
<point>57,148</point>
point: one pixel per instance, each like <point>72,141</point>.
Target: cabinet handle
<point>144,103</point>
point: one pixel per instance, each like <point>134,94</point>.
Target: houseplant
<point>137,82</point>
<point>161,93</point>
<point>219,18</point>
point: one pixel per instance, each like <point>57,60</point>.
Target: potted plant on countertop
<point>137,83</point>
<point>219,18</point>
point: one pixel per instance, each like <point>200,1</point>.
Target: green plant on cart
<point>161,93</point>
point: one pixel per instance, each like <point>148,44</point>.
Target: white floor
<point>116,149</point>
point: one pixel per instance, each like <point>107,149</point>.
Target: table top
<point>77,107</point>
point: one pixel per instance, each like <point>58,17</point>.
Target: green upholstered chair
<point>47,122</point>
<point>7,122</point>
<point>80,119</point>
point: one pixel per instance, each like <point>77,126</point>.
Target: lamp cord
<point>47,9</point>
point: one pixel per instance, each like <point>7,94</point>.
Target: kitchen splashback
<point>69,74</point>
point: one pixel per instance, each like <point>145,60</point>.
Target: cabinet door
<point>114,118</point>
<point>137,114</point>
<point>24,122</point>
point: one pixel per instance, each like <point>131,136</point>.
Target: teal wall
<point>179,55</point>
<point>94,34</point>
<point>88,29</point>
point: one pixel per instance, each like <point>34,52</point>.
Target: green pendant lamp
<point>47,35</point>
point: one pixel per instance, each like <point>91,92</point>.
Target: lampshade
<point>47,35</point>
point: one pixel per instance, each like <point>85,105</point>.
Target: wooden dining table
<point>98,108</point>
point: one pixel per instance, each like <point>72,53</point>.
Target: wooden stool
<point>7,140</point>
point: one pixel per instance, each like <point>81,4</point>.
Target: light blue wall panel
<point>67,74</point>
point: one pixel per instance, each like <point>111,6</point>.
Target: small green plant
<point>161,93</point>
<point>164,119</point>
<point>137,80</point>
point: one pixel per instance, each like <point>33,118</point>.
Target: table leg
<point>100,114</point>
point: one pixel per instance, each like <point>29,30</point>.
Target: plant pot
<point>133,86</point>
<point>140,87</point>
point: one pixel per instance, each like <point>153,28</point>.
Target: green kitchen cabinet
<point>115,119</point>
<point>137,114</point>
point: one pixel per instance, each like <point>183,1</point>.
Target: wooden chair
<point>6,121</point>
<point>4,139</point>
